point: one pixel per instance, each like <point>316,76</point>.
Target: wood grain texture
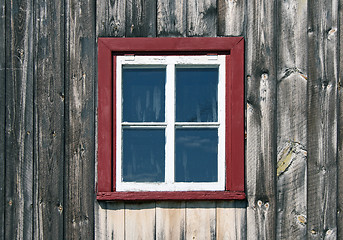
<point>80,115</point>
<point>2,117</point>
<point>261,119</point>
<point>340,129</point>
<point>19,120</point>
<point>201,220</point>
<point>231,220</point>
<point>202,18</point>
<point>110,18</point>
<point>171,18</point>
<point>110,221</point>
<point>231,15</point>
<point>170,220</point>
<point>322,119</point>
<point>140,18</point>
<point>291,119</point>
<point>49,119</point>
<point>140,221</point>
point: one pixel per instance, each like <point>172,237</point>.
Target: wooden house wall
<point>294,114</point>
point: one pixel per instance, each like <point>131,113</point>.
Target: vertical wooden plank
<point>110,18</point>
<point>261,119</point>
<point>49,119</point>
<point>291,119</point>
<point>170,220</point>
<point>19,120</point>
<point>115,220</point>
<point>80,115</point>
<point>201,220</point>
<point>171,18</point>
<point>2,117</point>
<point>202,18</point>
<point>231,220</point>
<point>140,222</point>
<point>140,18</point>
<point>340,129</point>
<point>322,119</point>
<point>231,14</point>
<point>110,221</point>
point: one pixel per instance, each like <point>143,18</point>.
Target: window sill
<point>150,196</point>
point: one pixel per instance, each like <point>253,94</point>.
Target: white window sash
<point>171,62</point>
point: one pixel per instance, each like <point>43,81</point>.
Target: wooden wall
<point>294,114</point>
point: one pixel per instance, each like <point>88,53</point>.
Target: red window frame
<point>233,48</point>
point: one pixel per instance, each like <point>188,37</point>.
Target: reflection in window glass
<point>143,155</point>
<point>143,94</point>
<point>196,152</point>
<point>196,94</point>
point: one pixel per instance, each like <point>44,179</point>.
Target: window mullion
<point>170,119</point>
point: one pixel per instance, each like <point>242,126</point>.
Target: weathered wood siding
<point>294,118</point>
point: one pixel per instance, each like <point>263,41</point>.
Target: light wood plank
<point>202,18</point>
<point>201,220</point>
<point>171,18</point>
<point>291,119</point>
<point>19,120</point>
<point>261,119</point>
<point>231,14</point>
<point>110,18</point>
<point>140,221</point>
<point>170,220</point>
<point>110,219</point>
<point>322,119</point>
<point>140,18</point>
<point>231,220</point>
<point>80,116</point>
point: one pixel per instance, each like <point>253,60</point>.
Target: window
<point>170,118</point>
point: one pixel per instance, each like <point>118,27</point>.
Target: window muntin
<point>205,122</point>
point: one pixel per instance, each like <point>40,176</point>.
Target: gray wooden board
<point>340,129</point>
<point>231,16</point>
<point>322,119</point>
<point>261,119</point>
<point>2,117</point>
<point>202,18</point>
<point>19,120</point>
<point>49,119</point>
<point>171,18</point>
<point>140,18</point>
<point>80,115</point>
<point>110,18</point>
<point>291,119</point>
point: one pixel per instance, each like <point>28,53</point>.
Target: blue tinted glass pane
<point>143,155</point>
<point>196,154</point>
<point>143,94</point>
<point>196,94</point>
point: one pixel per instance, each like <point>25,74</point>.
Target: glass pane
<point>143,94</point>
<point>143,155</point>
<point>196,154</point>
<point>196,94</point>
